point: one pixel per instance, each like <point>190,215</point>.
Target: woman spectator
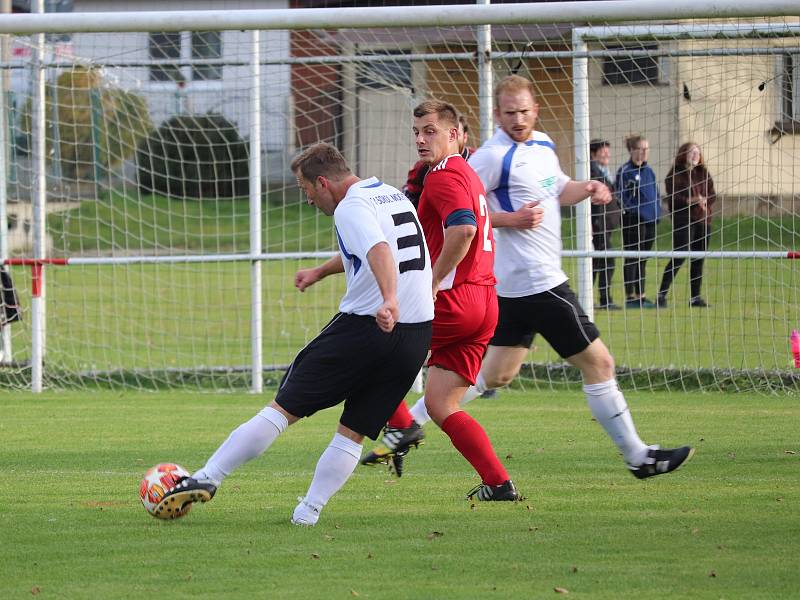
<point>641,205</point>
<point>690,196</point>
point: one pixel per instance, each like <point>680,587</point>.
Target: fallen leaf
<point>695,531</point>
<point>509,456</point>
<point>389,481</point>
<point>789,452</point>
<point>574,569</point>
<point>354,593</point>
<point>435,534</point>
<point>329,537</point>
<point>560,590</point>
<point>35,590</point>
<point>732,455</point>
<point>528,506</point>
<point>314,555</point>
<point>779,499</point>
<point>712,573</point>
<point>369,556</point>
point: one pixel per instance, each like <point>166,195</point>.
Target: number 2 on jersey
<point>484,208</point>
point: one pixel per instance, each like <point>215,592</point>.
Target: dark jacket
<point>604,217</point>
<point>682,184</point>
<point>638,190</point>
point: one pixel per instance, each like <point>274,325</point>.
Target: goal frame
<point>596,15</point>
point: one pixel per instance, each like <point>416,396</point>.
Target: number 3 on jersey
<point>484,208</point>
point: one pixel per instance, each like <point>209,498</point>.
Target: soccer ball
<point>154,486</point>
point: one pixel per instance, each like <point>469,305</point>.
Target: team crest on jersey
<point>547,183</point>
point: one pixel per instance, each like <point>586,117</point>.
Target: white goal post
<point>140,267</point>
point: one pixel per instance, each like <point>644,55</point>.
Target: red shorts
<point>463,323</point>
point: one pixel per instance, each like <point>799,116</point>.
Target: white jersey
<point>527,261</point>
<point>372,212</point>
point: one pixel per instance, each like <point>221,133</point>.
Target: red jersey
<point>453,186</point>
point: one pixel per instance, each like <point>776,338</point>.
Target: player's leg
<point>467,317</point>
<point>444,390</point>
<point>316,379</point>
<point>607,402</point>
<point>248,441</point>
<point>334,468</point>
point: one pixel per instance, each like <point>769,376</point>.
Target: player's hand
<point>305,278</point>
<point>598,192</point>
<point>529,216</point>
<point>387,315</point>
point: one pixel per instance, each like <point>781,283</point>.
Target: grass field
<point>724,526</point>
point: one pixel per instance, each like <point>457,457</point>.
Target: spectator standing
<point>605,221</point>
<point>690,197</point>
<point>638,191</point>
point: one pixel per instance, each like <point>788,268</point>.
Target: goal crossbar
<point>401,16</point>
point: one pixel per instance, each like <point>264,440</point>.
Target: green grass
<point>724,526</point>
<point>152,223</point>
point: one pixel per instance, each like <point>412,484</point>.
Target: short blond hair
<point>511,85</point>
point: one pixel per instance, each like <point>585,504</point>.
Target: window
<point>165,45</point>
<point>190,46</point>
<point>790,88</point>
<point>385,73</point>
<point>632,70</point>
<point>206,44</point>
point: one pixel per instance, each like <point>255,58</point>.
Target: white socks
<point>246,442</point>
<point>420,413</point>
<point>334,468</point>
<point>608,406</point>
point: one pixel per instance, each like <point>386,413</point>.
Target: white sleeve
<point>358,227</point>
<point>487,168</point>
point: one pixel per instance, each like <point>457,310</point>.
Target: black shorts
<point>352,360</point>
<point>555,314</point>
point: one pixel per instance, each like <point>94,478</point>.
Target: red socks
<point>471,440</point>
<point>401,419</point>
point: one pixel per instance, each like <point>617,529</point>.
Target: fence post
<point>583,224</point>
<point>5,7</point>
<point>39,190</point>
<point>485,82</point>
<point>97,134</point>
<point>256,323</point>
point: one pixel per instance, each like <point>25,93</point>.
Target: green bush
<point>97,122</point>
<point>194,156</point>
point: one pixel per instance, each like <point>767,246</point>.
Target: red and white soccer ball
<point>154,486</point>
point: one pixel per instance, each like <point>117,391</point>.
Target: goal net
<point>154,226</point>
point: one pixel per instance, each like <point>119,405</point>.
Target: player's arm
<point>307,277</point>
<point>457,239</point>
<point>577,191</point>
<point>528,216</point>
<point>384,269</point>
